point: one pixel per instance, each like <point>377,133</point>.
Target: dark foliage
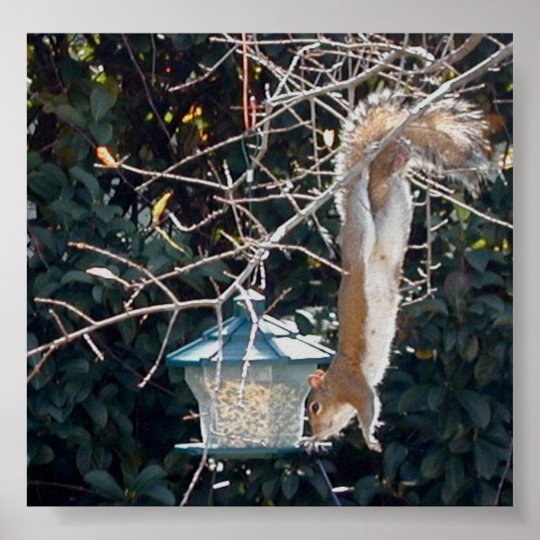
<point>95,438</point>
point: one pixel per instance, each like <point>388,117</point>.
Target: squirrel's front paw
<point>374,444</point>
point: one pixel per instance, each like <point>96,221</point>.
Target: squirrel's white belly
<point>383,269</point>
<point>382,305</point>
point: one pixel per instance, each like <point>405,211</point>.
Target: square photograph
<point>269,269</point>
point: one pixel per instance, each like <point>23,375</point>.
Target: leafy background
<point>94,438</point>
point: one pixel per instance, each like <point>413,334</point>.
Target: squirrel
<point>376,209</point>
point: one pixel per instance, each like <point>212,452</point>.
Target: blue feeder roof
<point>275,341</point>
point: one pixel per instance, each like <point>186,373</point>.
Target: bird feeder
<point>251,402</point>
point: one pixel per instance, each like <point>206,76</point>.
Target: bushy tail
<point>450,137</point>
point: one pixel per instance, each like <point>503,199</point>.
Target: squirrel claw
<point>312,446</point>
<point>374,445</point>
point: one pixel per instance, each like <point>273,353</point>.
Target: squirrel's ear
<point>316,379</point>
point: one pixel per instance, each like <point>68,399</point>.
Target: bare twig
<point>40,364</point>
<point>504,473</point>
<point>142,269</point>
<point>209,71</point>
<point>461,204</point>
<point>148,94</point>
<point>164,344</point>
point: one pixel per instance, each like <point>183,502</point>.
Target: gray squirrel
<point>376,208</point>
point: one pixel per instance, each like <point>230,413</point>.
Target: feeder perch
<point>258,410</point>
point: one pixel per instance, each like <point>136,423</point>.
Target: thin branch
<point>148,94</point>
<point>458,54</point>
<point>504,474</point>
<point>209,71</point>
<point>155,175</point>
<point>65,305</point>
<point>72,487</point>
<point>124,316</point>
<point>127,262</point>
<point>40,364</point>
<point>58,322</point>
<point>164,344</point>
<point>306,251</point>
<point>213,406</point>
<point>462,205</point>
<point>281,296</point>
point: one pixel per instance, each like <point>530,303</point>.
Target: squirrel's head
<point>327,414</point>
<point>330,410</point>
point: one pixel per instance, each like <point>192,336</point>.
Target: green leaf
<point>414,398</point>
<point>128,330</point>
<point>394,456</point>
<point>122,224</point>
<point>48,182</point>
<point>467,344</point>
<point>149,477</point>
<point>108,393</point>
<point>68,212</point>
<point>215,270</point>
<point>103,482</point>
<point>161,494</point>
<point>320,485</point>
<point>88,180</point>
<point>456,286</point>
<point>102,132</point>
<point>122,421</point>
<point>454,472</point>
<point>486,279</point>
<point>449,338</point>
<point>46,238</point>
<point>305,470</point>
<point>485,459</point>
<point>45,374</point>
<point>101,101</point>
<point>435,306</point>
<point>436,396</point>
<point>53,172</point>
<point>60,414</point>
<point>83,458</point>
<point>305,321</point>
<point>472,348</point>
<point>462,213</point>
<point>80,147</point>
<point>503,321</point>
<point>75,434</point>
<point>433,463</point>
<point>486,494</point>
<point>43,456</point>
<point>38,185</point>
<point>270,487</point>
<point>492,301</point>
<point>33,161</point>
<point>487,369</point>
<point>365,489</point>
<point>76,366</point>
<point>78,390</point>
<point>289,485</point>
<point>72,116</point>
<point>96,410</point>
<point>478,258</point>
<point>477,407</point>
<point>460,444</point>
<point>107,212</point>
<point>76,276</point>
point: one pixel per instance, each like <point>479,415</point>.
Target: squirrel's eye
<point>315,407</point>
